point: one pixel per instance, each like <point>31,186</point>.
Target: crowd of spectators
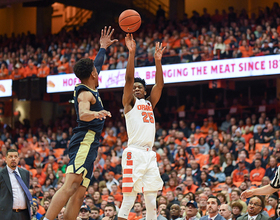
<point>195,161</point>
<point>198,38</point>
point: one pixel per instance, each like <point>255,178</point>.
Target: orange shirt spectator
<point>133,216</point>
<point>110,140</point>
<point>191,188</point>
<point>18,72</point>
<point>247,137</point>
<point>30,70</point>
<point>123,134</point>
<point>257,174</point>
<point>41,175</point>
<point>246,51</point>
<point>204,129</point>
<point>44,70</point>
<point>64,66</point>
<point>238,174</point>
<point>4,73</point>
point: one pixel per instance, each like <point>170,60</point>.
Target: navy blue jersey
<point>95,125</point>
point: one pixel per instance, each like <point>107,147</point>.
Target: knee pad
<point>151,205</point>
<point>127,203</point>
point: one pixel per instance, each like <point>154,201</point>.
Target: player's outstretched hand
<point>246,194</point>
<point>105,39</point>
<point>159,51</point>
<point>103,114</point>
<point>130,43</point>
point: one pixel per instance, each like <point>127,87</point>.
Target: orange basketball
<point>129,21</point>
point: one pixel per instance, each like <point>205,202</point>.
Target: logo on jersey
<point>144,108</point>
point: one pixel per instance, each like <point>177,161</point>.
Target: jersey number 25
<point>148,117</point>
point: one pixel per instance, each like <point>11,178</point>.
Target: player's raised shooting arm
<point>129,76</point>
<point>85,98</point>
<point>105,42</point>
<point>159,82</point>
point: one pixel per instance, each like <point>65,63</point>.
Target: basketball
<point>130,21</point>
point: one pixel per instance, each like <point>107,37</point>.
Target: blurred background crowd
<point>198,156</point>
<point>205,37</point>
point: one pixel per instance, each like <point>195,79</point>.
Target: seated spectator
<point>95,213</point>
<point>216,173</point>
<point>235,197</point>
<point>258,173</point>
<point>175,211</point>
<point>268,133</point>
<point>204,129</point>
<point>247,135</point>
<point>219,47</point>
<point>172,58</point>
<point>191,210</point>
<point>4,72</point>
<point>43,70</point>
<point>111,180</point>
<point>122,63</point>
<point>30,69</point>
<point>266,49</point>
<point>236,210</point>
<point>149,61</point>
<point>195,56</point>
<point>137,214</point>
<point>256,206</point>
<point>259,137</point>
<point>238,174</point>
<point>85,212</point>
<point>271,170</point>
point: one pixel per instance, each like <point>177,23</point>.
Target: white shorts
<point>140,170</point>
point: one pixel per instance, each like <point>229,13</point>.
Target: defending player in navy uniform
<point>84,144</point>
<point>140,170</point>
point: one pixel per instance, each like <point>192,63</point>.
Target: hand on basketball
<point>105,39</point>
<point>159,51</point>
<point>103,114</point>
<point>130,43</point>
<point>246,194</point>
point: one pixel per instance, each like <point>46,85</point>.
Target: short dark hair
<point>83,68</point>
<point>110,205</point>
<point>138,203</point>
<point>89,197</point>
<point>262,200</point>
<point>95,209</point>
<point>139,80</point>
<point>214,197</point>
<point>11,150</point>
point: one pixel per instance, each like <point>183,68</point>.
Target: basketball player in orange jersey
<point>140,171</point>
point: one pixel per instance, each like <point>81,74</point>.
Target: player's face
<point>139,90</point>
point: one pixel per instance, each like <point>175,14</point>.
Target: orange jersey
<point>247,137</point>
<point>132,216</point>
<point>256,175</point>
<point>43,72</point>
<point>110,140</point>
<point>123,136</point>
<point>30,72</point>
<point>192,189</point>
<point>66,68</point>
<point>238,176</point>
<point>4,74</point>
